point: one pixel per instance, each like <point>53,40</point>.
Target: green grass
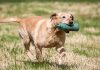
<point>91,51</point>
<point>82,47</point>
<point>17,1</point>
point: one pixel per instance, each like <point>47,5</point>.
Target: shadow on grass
<point>47,65</point>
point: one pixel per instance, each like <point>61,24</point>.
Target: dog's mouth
<point>70,23</point>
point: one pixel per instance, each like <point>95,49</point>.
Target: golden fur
<point>42,33</point>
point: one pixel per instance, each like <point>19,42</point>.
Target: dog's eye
<point>63,17</point>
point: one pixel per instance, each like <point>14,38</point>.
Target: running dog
<point>42,33</point>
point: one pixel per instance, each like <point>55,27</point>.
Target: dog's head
<point>62,18</point>
<point>66,18</point>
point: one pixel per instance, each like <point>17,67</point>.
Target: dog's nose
<point>72,17</point>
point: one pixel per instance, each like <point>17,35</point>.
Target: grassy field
<point>83,47</point>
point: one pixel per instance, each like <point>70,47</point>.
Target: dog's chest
<point>50,40</point>
<point>48,37</point>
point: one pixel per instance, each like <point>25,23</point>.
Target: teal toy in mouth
<point>68,27</point>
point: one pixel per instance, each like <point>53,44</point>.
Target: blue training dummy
<point>68,27</point>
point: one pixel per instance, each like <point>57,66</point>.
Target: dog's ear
<point>53,16</point>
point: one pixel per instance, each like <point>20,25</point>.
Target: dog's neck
<point>51,24</point>
<point>51,27</point>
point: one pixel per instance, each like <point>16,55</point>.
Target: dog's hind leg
<point>38,53</point>
<point>26,42</point>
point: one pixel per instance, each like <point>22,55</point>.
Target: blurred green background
<point>3,1</point>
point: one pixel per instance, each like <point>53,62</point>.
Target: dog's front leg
<point>39,54</point>
<point>62,54</point>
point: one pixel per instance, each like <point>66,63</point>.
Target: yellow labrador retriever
<point>42,33</point>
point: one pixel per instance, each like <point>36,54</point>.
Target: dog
<point>42,33</point>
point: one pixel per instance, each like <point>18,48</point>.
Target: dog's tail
<point>8,20</point>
